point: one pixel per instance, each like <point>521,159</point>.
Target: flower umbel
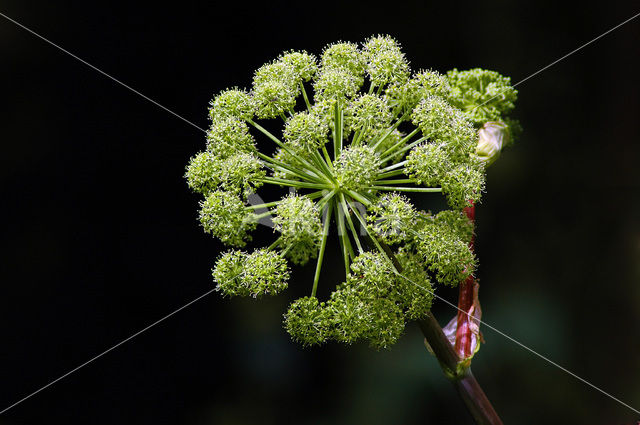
<point>370,134</point>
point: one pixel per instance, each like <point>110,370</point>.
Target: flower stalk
<point>467,335</point>
<point>461,376</point>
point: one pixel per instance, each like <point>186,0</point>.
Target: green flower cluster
<point>298,221</point>
<point>256,274</point>
<point>372,305</point>
<point>370,131</point>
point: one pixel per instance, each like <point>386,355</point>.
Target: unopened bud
<point>492,137</point>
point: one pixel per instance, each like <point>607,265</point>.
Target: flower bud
<point>492,137</point>
<point>427,164</point>
<point>335,83</point>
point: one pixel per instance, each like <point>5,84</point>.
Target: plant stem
<point>327,158</point>
<point>467,334</point>
<point>388,169</point>
<point>323,165</point>
<point>407,189</point>
<point>347,250</point>
<point>388,133</point>
<point>400,143</point>
<point>291,169</point>
<point>358,197</point>
<point>282,145</point>
<point>404,149</point>
<point>345,210</point>
<point>396,181</point>
<point>457,370</point>
<point>323,244</point>
<point>304,94</point>
<point>292,183</point>
<point>314,195</point>
<point>337,131</point>
<point>463,380</point>
<point>265,205</point>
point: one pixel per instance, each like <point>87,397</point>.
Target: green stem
<point>357,136</point>
<point>392,167</point>
<point>326,198</point>
<point>327,158</point>
<point>274,244</point>
<point>320,162</point>
<point>292,183</point>
<point>337,130</point>
<point>358,197</point>
<point>400,143</point>
<point>257,217</point>
<point>371,236</point>
<point>347,250</point>
<point>323,245</point>
<point>304,94</point>
<point>392,128</point>
<point>286,250</point>
<point>291,169</point>
<point>314,195</point>
<point>350,222</point>
<point>397,181</point>
<point>283,146</point>
<point>406,148</point>
<point>407,189</point>
<point>391,174</point>
<point>265,205</point>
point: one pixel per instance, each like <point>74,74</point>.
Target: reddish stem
<point>467,303</point>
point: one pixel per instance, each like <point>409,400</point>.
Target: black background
<point>99,235</point>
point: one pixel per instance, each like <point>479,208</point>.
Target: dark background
<point>100,238</point>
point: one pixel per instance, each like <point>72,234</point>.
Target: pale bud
<point>492,137</point>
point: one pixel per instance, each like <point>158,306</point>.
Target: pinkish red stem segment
<point>467,329</point>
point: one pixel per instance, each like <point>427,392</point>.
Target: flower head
<point>260,273</point>
<point>356,167</point>
<point>385,61</point>
<point>347,57</point>
<point>298,221</point>
<point>307,321</point>
<point>306,131</point>
<point>483,95</point>
<point>229,135</point>
<point>224,216</point>
<point>348,154</point>
<point>231,103</point>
